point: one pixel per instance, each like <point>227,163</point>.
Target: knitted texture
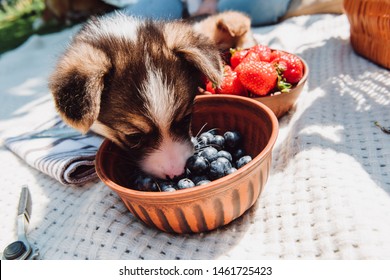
<point>327,196</point>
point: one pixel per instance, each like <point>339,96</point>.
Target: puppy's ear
<point>196,49</point>
<point>208,62</point>
<point>77,84</point>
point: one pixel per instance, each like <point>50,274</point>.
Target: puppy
<point>230,29</point>
<point>134,81</point>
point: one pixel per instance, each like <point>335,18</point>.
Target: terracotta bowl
<point>206,207</point>
<point>280,104</point>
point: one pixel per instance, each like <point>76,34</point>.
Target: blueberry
<point>242,161</point>
<point>231,170</point>
<point>205,138</point>
<point>170,189</point>
<point>197,179</point>
<point>213,131</point>
<point>225,154</point>
<point>238,153</point>
<point>202,142</point>
<point>217,169</point>
<point>232,139</point>
<point>209,153</point>
<point>185,184</point>
<point>203,182</point>
<point>197,164</point>
<point>146,183</point>
<point>218,142</point>
<point>226,163</point>
<point>166,186</point>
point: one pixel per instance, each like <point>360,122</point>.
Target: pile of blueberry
<point>215,157</point>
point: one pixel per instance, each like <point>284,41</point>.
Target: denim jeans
<point>156,9</point>
<point>261,11</point>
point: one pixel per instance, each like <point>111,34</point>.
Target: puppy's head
<point>134,82</point>
<point>229,29</point>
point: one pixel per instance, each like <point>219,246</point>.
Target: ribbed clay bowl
<point>206,207</point>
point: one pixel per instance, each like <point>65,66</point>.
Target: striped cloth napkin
<point>58,151</point>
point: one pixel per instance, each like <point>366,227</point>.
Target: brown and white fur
<point>134,81</point>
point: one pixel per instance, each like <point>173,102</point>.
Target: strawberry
<point>275,55</point>
<point>263,52</point>
<point>231,84</point>
<point>257,76</point>
<point>210,87</point>
<point>257,53</point>
<point>251,56</point>
<point>289,65</point>
<point>237,56</point>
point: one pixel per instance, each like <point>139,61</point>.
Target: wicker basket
<point>370,29</point>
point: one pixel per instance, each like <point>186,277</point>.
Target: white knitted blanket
<point>328,195</point>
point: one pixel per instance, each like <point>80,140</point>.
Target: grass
<point>16,23</point>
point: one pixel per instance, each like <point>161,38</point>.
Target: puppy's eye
<point>134,139</point>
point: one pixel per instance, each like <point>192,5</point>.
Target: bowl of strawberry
<point>273,77</point>
<point>233,140</point>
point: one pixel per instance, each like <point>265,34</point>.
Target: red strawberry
<point>258,53</point>
<point>231,84</point>
<point>251,56</point>
<point>255,53</point>
<point>263,52</point>
<point>275,54</point>
<point>257,76</point>
<point>290,65</point>
<point>210,87</point>
<point>237,57</point>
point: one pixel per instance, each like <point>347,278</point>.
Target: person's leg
<point>261,11</point>
<point>156,9</point>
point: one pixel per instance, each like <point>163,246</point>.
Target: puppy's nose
<point>170,177</point>
<point>173,173</point>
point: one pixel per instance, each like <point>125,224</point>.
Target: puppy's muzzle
<point>169,160</point>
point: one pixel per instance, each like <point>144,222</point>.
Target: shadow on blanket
<point>351,86</point>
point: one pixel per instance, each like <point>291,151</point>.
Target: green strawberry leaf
<point>234,50</point>
<point>282,85</point>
